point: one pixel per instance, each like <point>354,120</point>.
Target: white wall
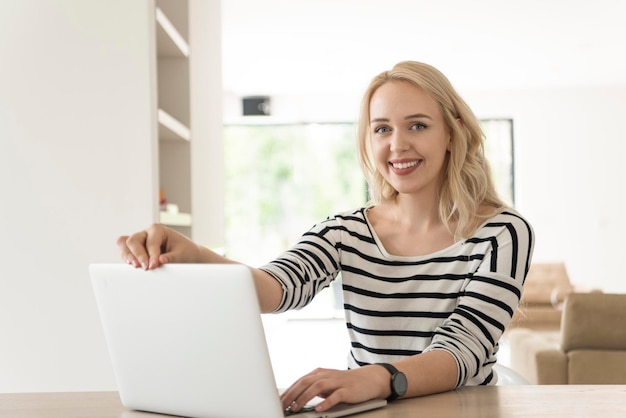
<point>75,172</point>
<point>569,172</point>
<point>569,147</point>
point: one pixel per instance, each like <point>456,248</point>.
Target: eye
<point>418,126</point>
<point>381,129</point>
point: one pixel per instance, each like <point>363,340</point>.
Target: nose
<point>398,142</point>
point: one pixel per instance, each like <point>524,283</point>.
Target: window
<point>282,179</point>
<point>499,152</point>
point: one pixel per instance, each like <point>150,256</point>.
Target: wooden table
<point>494,401</point>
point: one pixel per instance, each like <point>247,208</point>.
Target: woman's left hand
<point>335,386</point>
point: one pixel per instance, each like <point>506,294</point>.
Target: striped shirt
<point>459,299</point>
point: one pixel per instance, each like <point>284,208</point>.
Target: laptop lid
<point>187,339</point>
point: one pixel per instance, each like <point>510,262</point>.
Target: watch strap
<point>393,371</point>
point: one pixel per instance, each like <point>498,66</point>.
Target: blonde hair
<point>467,184</point>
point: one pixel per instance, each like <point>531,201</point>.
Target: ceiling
<point>274,47</point>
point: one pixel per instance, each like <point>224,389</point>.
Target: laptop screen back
<point>186,339</point>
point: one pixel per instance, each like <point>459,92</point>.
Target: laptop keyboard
<point>307,408</point>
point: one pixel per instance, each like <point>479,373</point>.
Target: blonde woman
<point>432,268</point>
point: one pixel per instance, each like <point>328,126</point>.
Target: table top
<point>485,401</point>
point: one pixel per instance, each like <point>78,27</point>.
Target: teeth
<point>404,165</point>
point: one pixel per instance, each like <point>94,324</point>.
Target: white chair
<point>508,376</point>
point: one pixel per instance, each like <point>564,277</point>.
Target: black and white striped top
<point>459,299</point>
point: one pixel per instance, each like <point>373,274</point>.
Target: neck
<point>415,212</point>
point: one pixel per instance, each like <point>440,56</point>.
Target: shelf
<point>175,219</point>
<point>171,128</point>
<point>170,43</point>
<point>185,43</point>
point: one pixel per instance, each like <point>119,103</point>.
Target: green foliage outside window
<point>282,179</point>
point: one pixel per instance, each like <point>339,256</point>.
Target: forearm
<point>427,373</point>
<point>269,290</point>
<point>430,372</point>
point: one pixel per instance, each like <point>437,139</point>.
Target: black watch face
<point>399,383</point>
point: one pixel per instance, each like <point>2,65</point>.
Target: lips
<point>404,167</point>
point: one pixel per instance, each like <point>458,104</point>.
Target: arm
<point>488,300</point>
<point>427,373</point>
<point>158,245</point>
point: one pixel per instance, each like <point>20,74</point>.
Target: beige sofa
<point>545,288</point>
<point>590,349</point>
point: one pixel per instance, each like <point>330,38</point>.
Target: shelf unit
<point>187,117</point>
<point>173,113</point>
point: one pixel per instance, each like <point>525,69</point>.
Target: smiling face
<point>410,140</point>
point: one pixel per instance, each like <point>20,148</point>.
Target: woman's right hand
<point>158,245</point>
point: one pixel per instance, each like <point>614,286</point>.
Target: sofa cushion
<point>589,367</point>
<point>594,321</point>
<point>544,282</point>
<point>536,317</point>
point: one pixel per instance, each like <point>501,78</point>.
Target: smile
<point>404,165</point>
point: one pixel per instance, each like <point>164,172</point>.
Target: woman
<point>432,267</point>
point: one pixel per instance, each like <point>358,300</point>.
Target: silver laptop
<point>187,339</point>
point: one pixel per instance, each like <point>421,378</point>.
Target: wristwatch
<point>398,381</point>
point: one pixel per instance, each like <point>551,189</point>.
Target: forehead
<point>402,98</point>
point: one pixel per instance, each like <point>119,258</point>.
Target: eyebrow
<point>409,117</point>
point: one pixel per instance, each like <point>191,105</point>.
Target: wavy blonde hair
<point>467,183</point>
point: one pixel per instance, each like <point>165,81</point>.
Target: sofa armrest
<point>537,356</point>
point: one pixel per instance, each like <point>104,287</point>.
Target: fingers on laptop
<point>138,250</point>
<point>316,383</point>
<point>155,244</point>
<point>125,253</point>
